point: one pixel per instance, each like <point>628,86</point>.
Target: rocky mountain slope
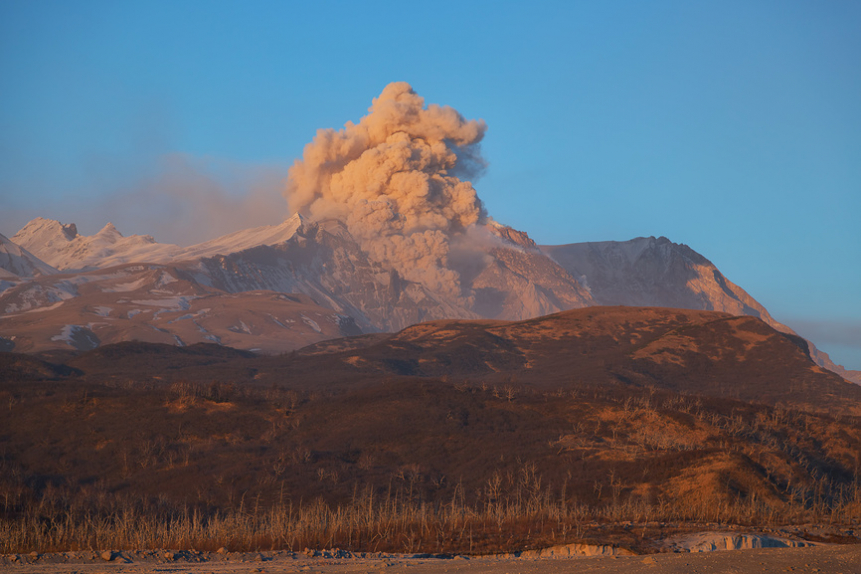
<point>159,304</point>
<point>17,263</point>
<point>318,259</point>
<point>660,273</point>
<point>654,272</point>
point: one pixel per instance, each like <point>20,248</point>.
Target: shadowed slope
<point>690,351</point>
<point>683,350</point>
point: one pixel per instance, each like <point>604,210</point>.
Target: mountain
<point>654,272</point>
<point>323,261</point>
<point>504,275</point>
<point>61,246</point>
<point>18,263</point>
<point>245,239</point>
<point>159,304</point>
<point>319,259</point>
<point>660,273</point>
<point>701,352</point>
<point>68,250</point>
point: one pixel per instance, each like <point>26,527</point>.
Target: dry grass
<point>406,466</point>
<point>527,515</point>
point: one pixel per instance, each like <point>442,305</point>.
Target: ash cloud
<point>188,200</point>
<point>176,198</point>
<point>399,180</point>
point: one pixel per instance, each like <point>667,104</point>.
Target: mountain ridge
<point>504,275</point>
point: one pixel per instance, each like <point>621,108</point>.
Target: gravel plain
<point>830,558</point>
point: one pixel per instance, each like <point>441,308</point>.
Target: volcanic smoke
<point>395,180</point>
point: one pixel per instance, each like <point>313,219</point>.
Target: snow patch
<point>192,316</point>
<point>66,333</point>
<point>206,334</point>
<point>175,303</point>
<point>37,296</point>
<point>102,311</point>
<point>78,337</point>
<point>36,310</point>
<point>125,287</point>
<point>165,279</point>
<point>311,323</point>
<point>279,323</point>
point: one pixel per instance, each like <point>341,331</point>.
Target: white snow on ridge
<point>245,239</point>
<point>61,246</point>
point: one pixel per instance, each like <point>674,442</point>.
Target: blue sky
<point>733,127</point>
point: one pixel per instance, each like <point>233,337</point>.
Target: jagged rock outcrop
<point>716,541</point>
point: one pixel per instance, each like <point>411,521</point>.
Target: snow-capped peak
<point>509,234</point>
<point>109,233</point>
<point>61,246</point>
<point>247,239</point>
<point>41,231</point>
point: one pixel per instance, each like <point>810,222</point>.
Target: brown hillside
<point>500,435</point>
<point>699,352</point>
<point>530,466</point>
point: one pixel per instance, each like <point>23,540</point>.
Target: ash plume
<point>399,180</point>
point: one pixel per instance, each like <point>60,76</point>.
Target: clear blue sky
<point>733,127</point>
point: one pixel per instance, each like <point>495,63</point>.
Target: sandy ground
<point>838,559</point>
